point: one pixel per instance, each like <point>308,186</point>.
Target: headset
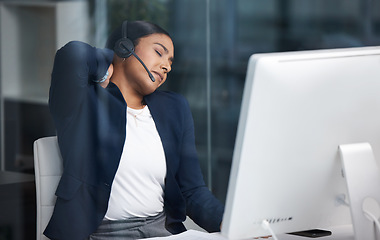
<point>124,48</point>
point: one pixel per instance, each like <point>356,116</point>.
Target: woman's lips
<point>160,77</point>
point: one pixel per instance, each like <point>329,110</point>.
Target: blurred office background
<point>213,41</point>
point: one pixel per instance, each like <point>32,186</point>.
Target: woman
<point>130,163</point>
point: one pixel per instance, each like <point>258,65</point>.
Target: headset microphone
<point>124,48</point>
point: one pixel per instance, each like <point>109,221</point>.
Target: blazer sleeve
<point>75,67</point>
<point>201,205</point>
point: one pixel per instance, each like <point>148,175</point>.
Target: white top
<point>138,187</point>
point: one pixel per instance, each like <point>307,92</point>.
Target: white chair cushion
<point>48,170</point>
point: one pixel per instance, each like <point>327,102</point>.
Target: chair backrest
<point>48,170</point>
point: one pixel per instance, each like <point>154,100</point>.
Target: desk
<point>340,233</point>
<point>17,206</point>
<point>14,178</point>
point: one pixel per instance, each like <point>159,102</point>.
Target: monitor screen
<point>297,109</point>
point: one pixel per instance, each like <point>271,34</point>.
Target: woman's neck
<point>131,97</point>
<point>135,104</point>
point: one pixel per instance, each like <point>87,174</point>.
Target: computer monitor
<point>297,109</point>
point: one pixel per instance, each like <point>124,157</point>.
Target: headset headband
<point>124,29</point>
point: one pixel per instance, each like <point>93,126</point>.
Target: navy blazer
<point>91,126</point>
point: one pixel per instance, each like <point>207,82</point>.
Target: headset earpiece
<point>124,46</point>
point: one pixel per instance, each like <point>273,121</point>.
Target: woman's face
<point>157,52</point>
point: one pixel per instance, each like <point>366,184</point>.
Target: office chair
<point>48,170</point>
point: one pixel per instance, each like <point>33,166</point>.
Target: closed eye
<point>159,54</point>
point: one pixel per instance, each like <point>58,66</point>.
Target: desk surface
<point>7,177</point>
<point>341,233</point>
<point>17,205</point>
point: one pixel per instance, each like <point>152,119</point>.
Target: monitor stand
<point>362,176</point>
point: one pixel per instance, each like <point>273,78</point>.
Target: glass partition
<point>213,41</point>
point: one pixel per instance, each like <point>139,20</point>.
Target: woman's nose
<point>166,66</point>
